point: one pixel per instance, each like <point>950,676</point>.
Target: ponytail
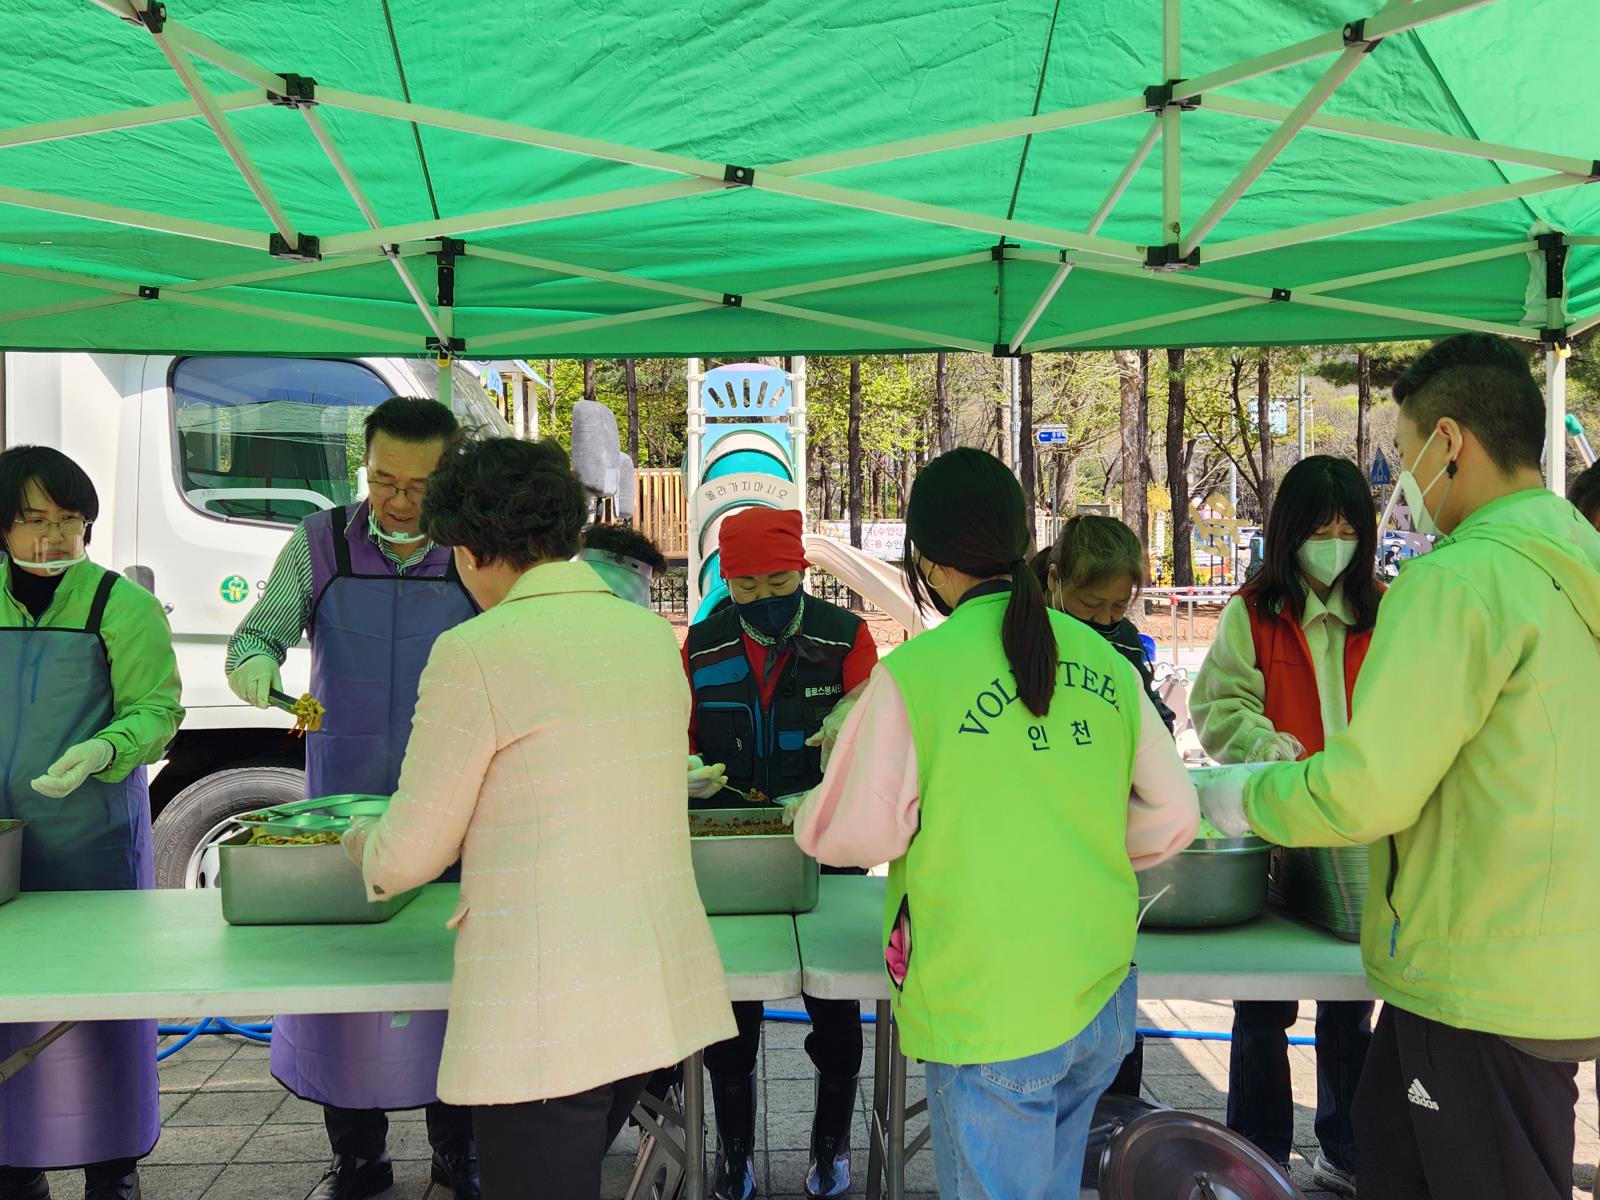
<point>967,511</point>
<point>1030,641</point>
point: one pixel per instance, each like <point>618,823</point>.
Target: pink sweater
<point>865,810</point>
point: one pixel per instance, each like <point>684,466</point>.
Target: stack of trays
<point>1327,887</point>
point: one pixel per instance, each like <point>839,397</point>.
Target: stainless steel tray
<point>1216,881</point>
<point>747,873</point>
<point>297,885</point>
<point>10,859</point>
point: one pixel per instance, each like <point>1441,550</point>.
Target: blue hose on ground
<point>789,1016</point>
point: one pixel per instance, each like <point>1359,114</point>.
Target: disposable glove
<point>828,736</point>
<point>1222,799</point>
<point>1276,748</point>
<point>252,679</point>
<point>67,773</point>
<point>705,781</point>
<point>792,804</point>
<point>355,838</point>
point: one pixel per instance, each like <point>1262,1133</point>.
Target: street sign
<point>1380,474</point>
<point>1051,435</point>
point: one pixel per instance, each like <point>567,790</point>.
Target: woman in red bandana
<point>772,675</point>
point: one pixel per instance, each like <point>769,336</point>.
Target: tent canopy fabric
<point>636,178</point>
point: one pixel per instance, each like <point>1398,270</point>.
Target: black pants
<point>834,1043</point>
<point>1260,1099</point>
<point>364,1132</point>
<point>102,1173</point>
<point>1450,1114</point>
<point>551,1149</point>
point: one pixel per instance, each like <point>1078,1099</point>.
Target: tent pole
<point>797,424</point>
<point>531,333</point>
<point>1325,86</point>
<point>1585,325</point>
<point>866,277</point>
<point>1118,189</point>
<point>1401,135</point>
<point>128,118</point>
<point>291,317</point>
<point>1126,327</point>
<point>577,271</point>
<point>1555,403</point>
<point>1399,214</point>
<point>69,306</point>
<point>526,214</point>
<point>694,452</point>
<point>1171,126</point>
<point>275,274</point>
<point>132,217</point>
<point>926,337</point>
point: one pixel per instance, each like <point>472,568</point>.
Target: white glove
<point>355,838</point>
<point>67,773</point>
<point>252,679</point>
<point>1276,748</point>
<point>792,804</point>
<point>705,782</point>
<point>828,736</point>
<point>1221,794</point>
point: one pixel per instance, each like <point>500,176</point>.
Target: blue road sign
<point>1051,435</point>
<point>1380,474</point>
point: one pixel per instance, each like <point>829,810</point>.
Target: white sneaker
<point>1330,1178</point>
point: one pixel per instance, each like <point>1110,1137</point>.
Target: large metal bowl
<point>1216,881</point>
<point>10,859</point>
<point>297,885</point>
<point>750,872</point>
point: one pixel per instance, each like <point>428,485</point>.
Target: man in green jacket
<point>1469,768</point>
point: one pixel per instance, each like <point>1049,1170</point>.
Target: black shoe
<point>346,1180</point>
<point>458,1172</point>
<point>829,1176</point>
<point>734,1100</point>
<point>124,1188</point>
<point>16,1184</point>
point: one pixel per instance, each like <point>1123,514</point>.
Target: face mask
<point>398,539</point>
<point>53,566</point>
<point>627,582</point>
<point>1326,560</point>
<point>1414,493</point>
<point>772,615</point>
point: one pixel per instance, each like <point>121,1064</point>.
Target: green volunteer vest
<point>1021,900</point>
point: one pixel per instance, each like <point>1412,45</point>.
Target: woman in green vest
<point>1011,769</point>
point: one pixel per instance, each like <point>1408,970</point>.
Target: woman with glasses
<point>90,682</point>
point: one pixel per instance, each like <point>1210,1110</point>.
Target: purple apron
<point>92,1096</point>
<point>371,631</point>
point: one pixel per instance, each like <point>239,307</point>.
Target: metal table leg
<point>694,1127</point>
<point>28,1053</point>
<point>878,1126</point>
<point>895,1155</point>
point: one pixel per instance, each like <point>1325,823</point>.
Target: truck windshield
<point>270,439</point>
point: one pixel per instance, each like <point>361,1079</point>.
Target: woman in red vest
<point>1276,682</point>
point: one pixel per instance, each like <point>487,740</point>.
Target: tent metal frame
<point>1175,248</point>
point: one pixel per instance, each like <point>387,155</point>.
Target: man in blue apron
<point>372,593</point>
<point>88,694</point>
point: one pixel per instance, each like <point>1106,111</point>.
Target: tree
<point>1370,367</point>
<point>588,379</point>
<point>1264,481</point>
<point>853,452</point>
<point>1025,445</point>
<point>944,433</point>
<point>1178,470</point>
<point>630,370</point>
<point>1131,391</point>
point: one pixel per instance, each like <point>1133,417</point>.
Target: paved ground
<point>230,1132</point>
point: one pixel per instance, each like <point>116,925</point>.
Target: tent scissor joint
<point>1281,295</point>
<point>729,300</point>
<point>1170,257</point>
<point>1164,95</point>
<point>445,273</point>
<point>305,249</point>
<point>1005,350</point>
<point>997,252</point>
<point>153,16</point>
<point>1355,34</point>
<point>299,91</point>
<point>737,176</point>
<point>1554,248</point>
<point>148,292</point>
<point>443,349</point>
<point>1558,339</point>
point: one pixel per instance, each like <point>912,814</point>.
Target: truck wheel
<point>200,818</point>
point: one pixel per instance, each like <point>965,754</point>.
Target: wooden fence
<point>662,512</point>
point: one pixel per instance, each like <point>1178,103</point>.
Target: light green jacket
<point>1471,765</point>
<point>144,669</point>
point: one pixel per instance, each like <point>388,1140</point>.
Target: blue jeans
<point>1018,1130</point>
<point>1260,1099</point>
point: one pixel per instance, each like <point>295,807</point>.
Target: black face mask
<point>1103,630</point>
<point>771,615</point>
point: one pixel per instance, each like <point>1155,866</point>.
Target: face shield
<point>48,547</point>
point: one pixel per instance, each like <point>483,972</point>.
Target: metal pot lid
<point>1170,1155</point>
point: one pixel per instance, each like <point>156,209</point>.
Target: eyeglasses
<point>378,489</point>
<point>67,527</point>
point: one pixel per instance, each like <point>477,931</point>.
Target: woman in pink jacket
<point>547,754</point>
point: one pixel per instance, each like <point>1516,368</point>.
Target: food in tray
<point>755,825</point>
<point>308,712</point>
<point>265,837</point>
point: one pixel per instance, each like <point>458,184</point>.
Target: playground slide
<point>882,583</point>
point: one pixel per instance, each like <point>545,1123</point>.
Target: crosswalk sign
<point>1380,475</point>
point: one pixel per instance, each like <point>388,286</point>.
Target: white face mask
<point>1325,559</point>
<point>398,539</point>
<point>76,553</point>
<point>1414,492</point>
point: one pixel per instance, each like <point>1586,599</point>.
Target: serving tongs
<point>326,814</point>
<point>306,711</point>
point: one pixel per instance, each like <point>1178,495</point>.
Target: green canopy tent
<point>628,178</point>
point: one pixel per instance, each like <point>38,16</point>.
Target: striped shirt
<point>278,620</point>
